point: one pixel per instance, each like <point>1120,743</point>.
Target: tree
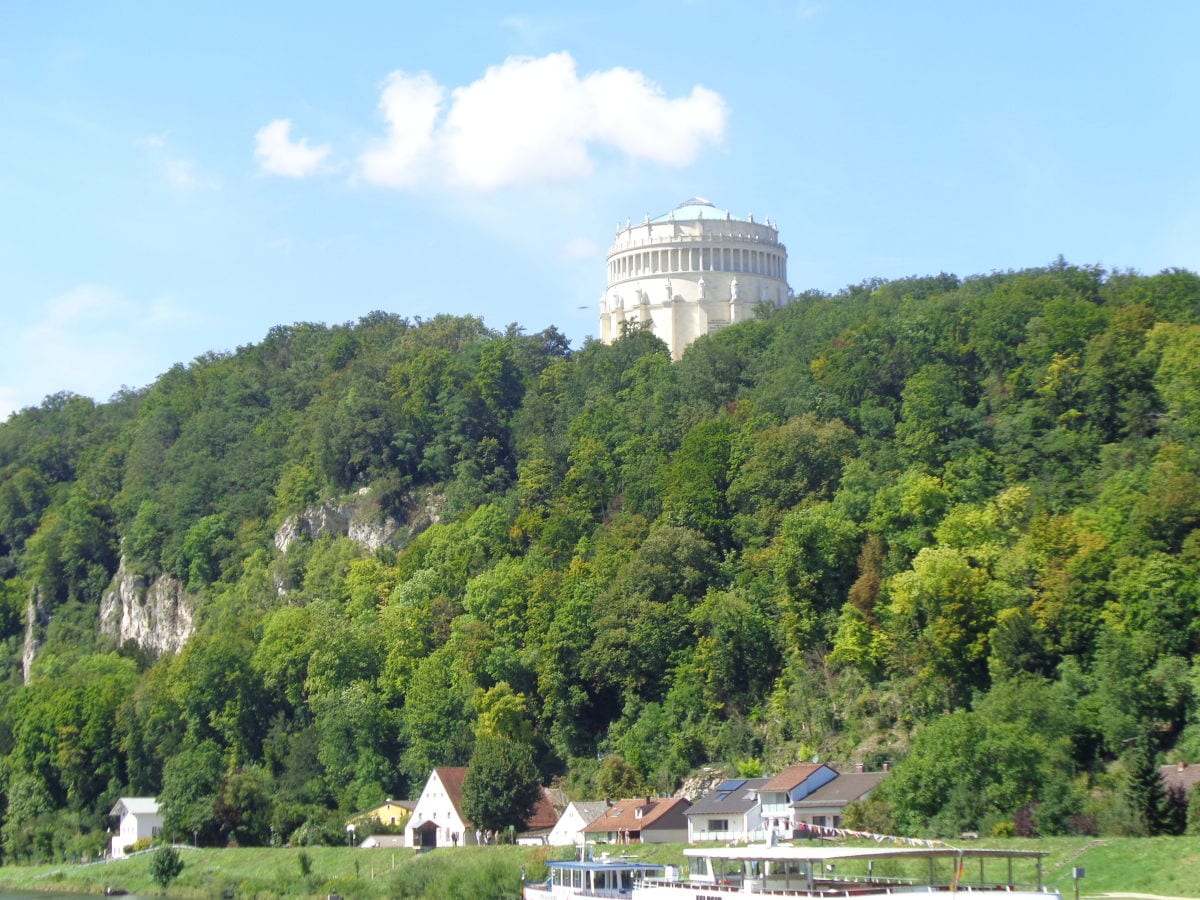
<point>1144,789</point>
<point>191,784</point>
<point>165,866</point>
<point>502,786</point>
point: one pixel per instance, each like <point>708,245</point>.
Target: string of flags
<point>830,831</point>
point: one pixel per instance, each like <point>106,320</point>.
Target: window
<point>718,824</point>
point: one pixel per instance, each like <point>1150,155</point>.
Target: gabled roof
<point>732,796</point>
<point>624,814</point>
<point>138,806</point>
<point>790,777</point>
<point>544,815</point>
<point>846,788</point>
<point>451,778</point>
<point>590,810</point>
<point>1180,775</point>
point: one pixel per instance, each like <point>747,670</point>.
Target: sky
<point>178,178</point>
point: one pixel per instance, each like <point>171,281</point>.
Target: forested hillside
<point>949,524</point>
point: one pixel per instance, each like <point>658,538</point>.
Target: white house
<point>139,818</point>
<point>729,812</point>
<point>781,791</point>
<point>578,815</point>
<point>437,820</point>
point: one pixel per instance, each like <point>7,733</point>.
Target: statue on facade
<point>733,290</point>
<point>703,289</point>
<point>670,291</point>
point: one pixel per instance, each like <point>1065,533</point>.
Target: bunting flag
<point>843,833</point>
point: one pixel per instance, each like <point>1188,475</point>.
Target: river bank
<point>1128,867</point>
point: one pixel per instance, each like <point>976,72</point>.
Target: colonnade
<point>677,260</point>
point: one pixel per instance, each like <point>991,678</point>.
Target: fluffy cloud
<point>534,119</point>
<point>410,104</point>
<point>278,154</point>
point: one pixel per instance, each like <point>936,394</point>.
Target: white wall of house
<point>139,818</point>
<point>434,805</point>
<point>747,826</point>
<point>569,828</point>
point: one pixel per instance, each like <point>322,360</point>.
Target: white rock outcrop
<point>358,520</point>
<point>156,615</point>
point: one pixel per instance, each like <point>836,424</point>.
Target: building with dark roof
<point>1180,776</point>
<point>729,812</point>
<point>825,805</point>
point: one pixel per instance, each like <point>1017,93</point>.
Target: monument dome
<point>691,272</point>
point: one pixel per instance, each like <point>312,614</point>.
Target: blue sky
<point>178,178</point>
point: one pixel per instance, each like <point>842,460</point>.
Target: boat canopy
<point>826,853</point>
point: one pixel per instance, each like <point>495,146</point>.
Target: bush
<point>165,866</point>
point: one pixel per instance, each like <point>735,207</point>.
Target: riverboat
<point>603,877</point>
<point>824,871</point>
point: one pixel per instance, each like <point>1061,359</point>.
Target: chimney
<point>859,767</point>
<point>887,765</point>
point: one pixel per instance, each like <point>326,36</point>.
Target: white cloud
<point>90,340</point>
<point>633,115</point>
<point>532,120</point>
<point>410,104</point>
<point>278,154</point>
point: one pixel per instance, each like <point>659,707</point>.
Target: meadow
<point>1163,866</point>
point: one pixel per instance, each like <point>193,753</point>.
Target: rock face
<point>155,615</point>
<point>36,620</point>
<point>357,519</point>
<point>698,785</point>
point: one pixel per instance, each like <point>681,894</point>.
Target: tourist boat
<point>823,870</point>
<point>603,877</point>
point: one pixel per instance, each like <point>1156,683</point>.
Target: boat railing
<point>848,888</point>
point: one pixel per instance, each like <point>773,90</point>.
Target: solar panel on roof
<point>730,784</point>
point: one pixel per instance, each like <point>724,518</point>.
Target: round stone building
<point>692,272</point>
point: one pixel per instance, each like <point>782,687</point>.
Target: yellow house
<point>392,813</point>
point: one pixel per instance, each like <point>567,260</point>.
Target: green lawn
<point>1164,866</point>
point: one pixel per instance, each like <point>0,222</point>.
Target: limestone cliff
<point>156,615</point>
<point>358,519</point>
<point>36,620</point>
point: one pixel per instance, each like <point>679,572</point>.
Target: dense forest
<point>949,524</point>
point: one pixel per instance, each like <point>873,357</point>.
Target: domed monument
<point>692,272</point>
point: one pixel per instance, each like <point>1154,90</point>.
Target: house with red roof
<point>790,785</point>
<point>438,820</point>
<point>642,820</point>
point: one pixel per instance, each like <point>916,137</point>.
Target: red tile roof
<point>623,815</point>
<point>790,777</point>
<point>544,816</point>
<point>452,777</point>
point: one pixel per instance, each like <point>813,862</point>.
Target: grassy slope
<point>1165,866</point>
